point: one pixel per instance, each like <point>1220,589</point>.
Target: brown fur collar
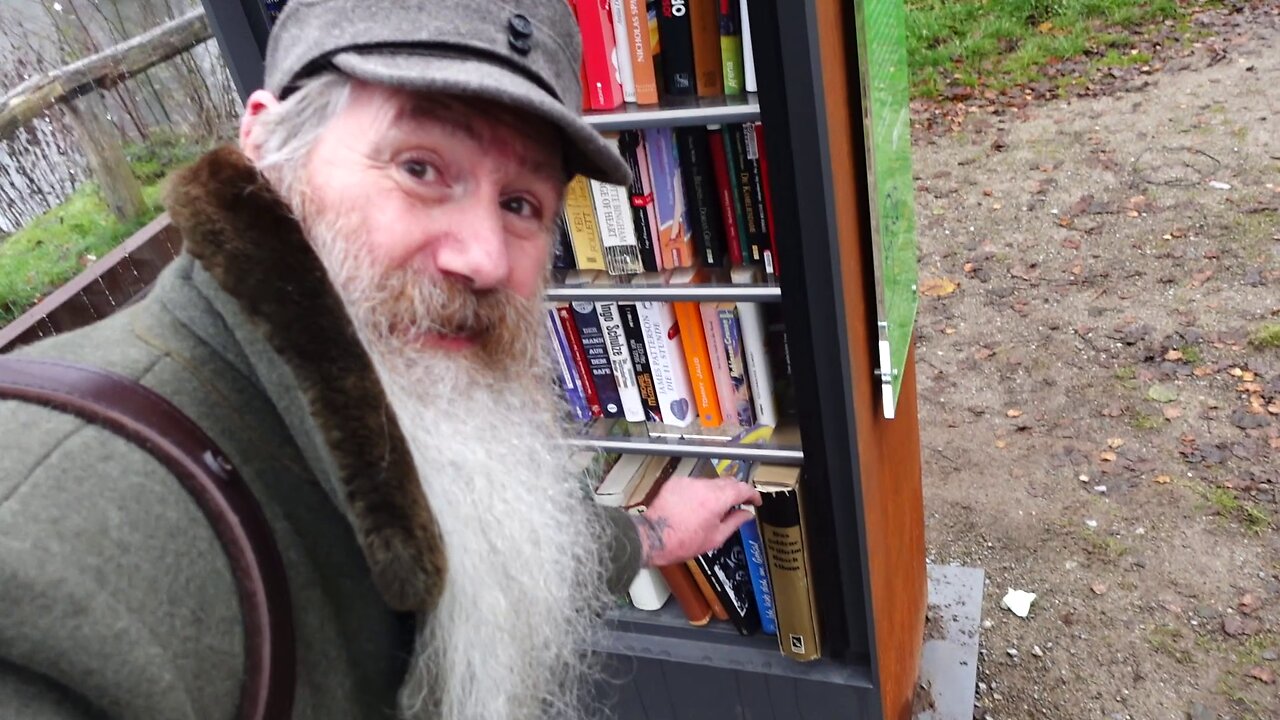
<point>245,236</point>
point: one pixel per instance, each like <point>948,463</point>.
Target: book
<point>704,22</point>
<point>562,250</point>
<point>622,54</point>
<point>584,231</point>
<point>599,53</point>
<point>624,373</point>
<point>719,147</point>
<point>674,240</point>
<point>758,223</point>
<point>596,350</point>
<point>782,526</point>
<point>700,195</point>
<point>579,360</point>
<point>726,570</point>
<point>759,368</point>
<point>771,257</point>
<point>708,593</point>
<point>634,334</point>
<point>736,360</point>
<point>778,345</point>
<point>566,377</point>
<point>749,227</point>
<point>676,33</point>
<point>748,57</point>
<point>757,567</point>
<point>714,335</point>
<point>693,341</point>
<point>649,590</point>
<point>617,228</point>
<point>615,487</point>
<point>666,362</point>
<point>641,51</point>
<point>731,46</point>
<point>643,211</point>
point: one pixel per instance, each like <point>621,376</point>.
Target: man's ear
<point>260,103</point>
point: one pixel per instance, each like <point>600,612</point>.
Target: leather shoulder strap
<point>146,419</point>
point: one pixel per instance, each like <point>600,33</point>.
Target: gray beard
<point>525,548</point>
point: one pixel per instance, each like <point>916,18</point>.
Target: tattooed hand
<point>691,516</point>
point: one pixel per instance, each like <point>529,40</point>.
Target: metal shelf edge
<point>705,112</point>
<point>689,448</point>
<point>667,293</point>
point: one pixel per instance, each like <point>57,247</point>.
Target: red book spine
<point>771,267</point>
<point>579,354</point>
<point>599,53</point>
<point>724,191</point>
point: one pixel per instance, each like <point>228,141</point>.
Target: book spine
<point>736,359</point>
<point>641,52</point>
<point>562,253</point>
<point>579,360</point>
<point>700,195</point>
<point>646,181</point>
<point>634,333</point>
<point>748,58</point>
<point>771,257</point>
<point>599,54</point>
<point>617,229</point>
<point>720,146</point>
<point>757,566</point>
<point>567,378</point>
<point>713,600</point>
<point>620,358</point>
<point>648,590</point>
<point>694,342</point>
<point>676,33</point>
<point>584,231</point>
<point>622,53</point>
<point>731,46</point>
<point>666,361</point>
<point>759,371</point>
<point>673,229</point>
<point>761,243</point>
<point>596,350</point>
<point>704,22</point>
<point>714,335</point>
<point>778,344</point>
<point>630,143</point>
<point>727,568</point>
<point>686,592</point>
<point>744,195</point>
<point>781,527</point>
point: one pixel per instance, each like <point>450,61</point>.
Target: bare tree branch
<point>101,71</point>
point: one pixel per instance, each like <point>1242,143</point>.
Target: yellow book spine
<point>584,230</point>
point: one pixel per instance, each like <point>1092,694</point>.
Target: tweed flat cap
<point>521,53</point>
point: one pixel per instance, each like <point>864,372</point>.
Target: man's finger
<point>730,524</point>
<point>738,493</point>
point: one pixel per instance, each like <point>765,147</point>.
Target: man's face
<point>444,191</point>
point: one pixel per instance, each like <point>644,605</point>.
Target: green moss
<point>1267,336</point>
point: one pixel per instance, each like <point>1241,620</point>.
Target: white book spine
<point>759,372</point>
<point>648,590</point>
<point>620,359</point>
<point>622,56</point>
<point>617,229</point>
<point>748,60</point>
<point>666,362</point>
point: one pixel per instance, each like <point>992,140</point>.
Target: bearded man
<point>355,320</point>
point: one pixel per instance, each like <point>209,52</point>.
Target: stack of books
<point>644,52</point>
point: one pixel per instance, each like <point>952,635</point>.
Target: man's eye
<point>419,169</point>
<point>522,206</point>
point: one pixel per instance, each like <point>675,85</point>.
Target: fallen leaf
<point>1236,372</point>
<point>983,353</point>
<point>988,192</point>
<point>938,287</point>
<point>1071,244</point>
<point>1248,376</point>
<point>1082,205</point>
<point>1107,456</point>
<point>970,267</point>
<point>1274,408</point>
<point>1172,412</point>
<point>1013,413</point>
<point>1098,588</point>
<point>1077,269</point>
<point>1114,443</point>
<point>1163,480</point>
<point>948,330</point>
<point>1045,27</point>
<point>1202,371</point>
<point>1249,603</point>
<point>1173,355</point>
<point>1235,626</point>
<point>1265,674</point>
<point>1162,393</point>
<point>1002,444</point>
<point>1249,387</point>
<point>1200,278</point>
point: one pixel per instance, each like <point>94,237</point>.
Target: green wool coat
<point>116,599</point>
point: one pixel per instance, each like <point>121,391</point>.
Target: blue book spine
<point>754,546</point>
<point>597,351</point>
<point>566,377</point>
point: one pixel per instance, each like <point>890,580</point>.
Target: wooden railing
<point>104,287</point>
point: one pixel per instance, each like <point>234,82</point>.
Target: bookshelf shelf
<point>675,112</point>
<point>778,455</point>
<point>642,291</point>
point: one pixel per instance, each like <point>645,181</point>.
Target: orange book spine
<point>687,594</point>
<point>694,342</point>
<point>640,47</point>
<point>717,609</point>
<point>707,67</point>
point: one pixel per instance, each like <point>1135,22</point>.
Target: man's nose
<point>477,249</point>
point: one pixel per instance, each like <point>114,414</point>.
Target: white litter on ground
<point>1018,602</point>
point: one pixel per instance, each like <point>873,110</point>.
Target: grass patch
<point>1267,336</point>
<point>51,249</point>
<point>1143,421</point>
<point>1002,43</point>
<point>1191,355</point>
<point>1229,507</point>
<point>1104,546</point>
<point>1171,641</point>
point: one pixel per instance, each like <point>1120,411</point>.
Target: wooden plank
<point>888,450</point>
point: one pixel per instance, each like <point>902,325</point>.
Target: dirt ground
<point>1097,428</point>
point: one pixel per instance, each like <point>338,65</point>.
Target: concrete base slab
<point>949,664</point>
